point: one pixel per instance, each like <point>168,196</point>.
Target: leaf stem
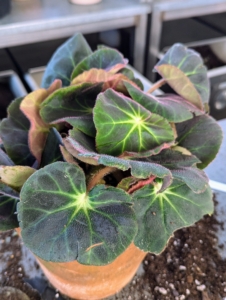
<point>140,184</point>
<point>98,176</point>
<point>156,85</point>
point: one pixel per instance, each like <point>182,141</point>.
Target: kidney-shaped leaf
<point>8,201</point>
<point>160,214</point>
<point>14,133</point>
<point>73,101</point>
<point>60,222</point>
<point>124,125</point>
<point>104,58</point>
<point>171,107</point>
<point>184,71</point>
<point>65,59</point>
<point>83,148</point>
<point>202,136</point>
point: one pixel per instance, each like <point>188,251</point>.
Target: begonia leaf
<point>184,71</point>
<point>65,59</point>
<point>83,123</point>
<point>104,58</point>
<point>4,159</point>
<point>51,151</point>
<point>109,80</point>
<point>39,130</point>
<point>55,206</point>
<point>8,202</point>
<point>183,167</point>
<point>83,148</point>
<point>73,101</point>
<point>172,107</point>
<point>202,136</point>
<point>14,134</point>
<point>129,74</point>
<point>159,214</point>
<point>124,125</point>
<point>15,176</point>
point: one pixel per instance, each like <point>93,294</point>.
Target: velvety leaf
<point>63,61</point>
<point>104,58</point>
<point>202,136</point>
<point>160,214</point>
<point>39,130</point>
<point>184,71</point>
<point>51,151</point>
<point>15,176</point>
<point>8,202</point>
<point>183,167</point>
<point>55,207</point>
<point>172,107</point>
<point>124,125</point>
<point>129,74</point>
<point>73,101</point>
<point>109,80</point>
<point>83,148</point>
<point>4,159</point>
<point>14,134</point>
<point>83,123</point>
<point>126,183</point>
<point>68,157</point>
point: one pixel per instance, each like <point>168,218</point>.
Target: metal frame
<point>36,21</point>
<point>172,10</point>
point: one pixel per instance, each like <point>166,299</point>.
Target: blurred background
<point>31,30</point>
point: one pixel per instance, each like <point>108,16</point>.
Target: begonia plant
<point>91,163</point>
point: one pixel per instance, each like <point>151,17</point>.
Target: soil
<point>189,268</point>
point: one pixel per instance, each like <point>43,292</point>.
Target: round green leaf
<point>104,58</point>
<point>60,222</point>
<point>124,125</point>
<point>159,214</point>
<point>202,136</point>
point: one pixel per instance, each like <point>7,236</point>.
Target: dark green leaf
<point>183,69</point>
<point>104,58</point>
<point>4,159</point>
<point>129,73</point>
<point>51,152</point>
<point>124,125</point>
<point>183,167</point>
<point>171,107</point>
<point>8,201</point>
<point>83,148</point>
<point>73,101</point>
<point>60,222</point>
<point>160,214</point>
<point>14,133</point>
<point>202,136</point>
<point>83,123</point>
<point>63,61</point>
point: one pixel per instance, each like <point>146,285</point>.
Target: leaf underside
<point>184,71</point>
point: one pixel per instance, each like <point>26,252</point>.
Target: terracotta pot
<point>91,282</point>
<point>85,2</point>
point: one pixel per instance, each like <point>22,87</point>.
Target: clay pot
<point>85,2</point>
<point>91,282</point>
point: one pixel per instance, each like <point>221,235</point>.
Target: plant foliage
<point>91,163</point>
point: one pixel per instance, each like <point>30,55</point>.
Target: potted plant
<point>95,173</point>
